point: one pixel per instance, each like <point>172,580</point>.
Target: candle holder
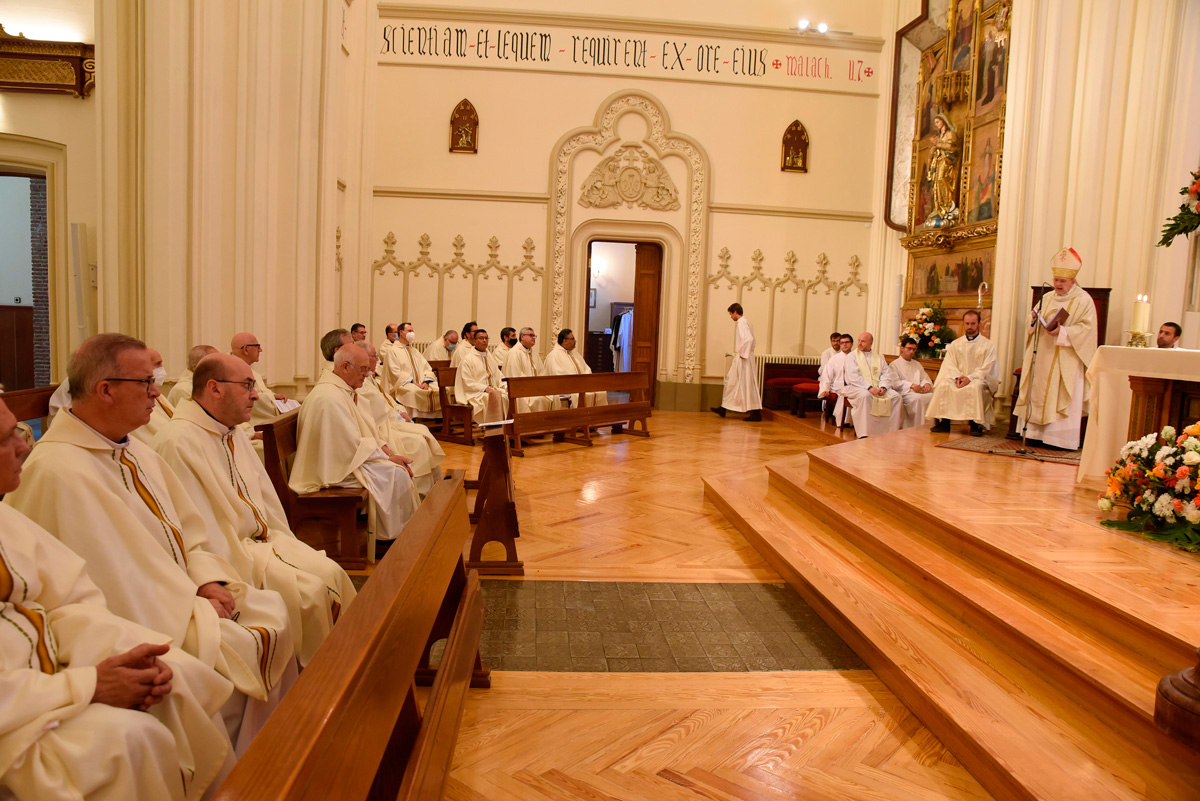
<point>1138,339</point>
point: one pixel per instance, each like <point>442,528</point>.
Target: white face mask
<point>451,346</point>
<point>160,375</point>
<point>411,336</point>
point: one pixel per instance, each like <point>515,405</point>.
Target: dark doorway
<point>624,288</point>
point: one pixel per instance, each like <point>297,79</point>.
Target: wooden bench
<point>326,519</point>
<point>352,727</point>
<point>495,514</point>
<point>582,418</point>
<point>29,404</point>
<point>453,414</point>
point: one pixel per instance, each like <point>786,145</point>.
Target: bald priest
<point>95,707</point>
<point>111,499</point>
<point>214,460</point>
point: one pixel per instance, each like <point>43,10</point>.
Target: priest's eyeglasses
<point>148,383</point>
<point>247,385</point>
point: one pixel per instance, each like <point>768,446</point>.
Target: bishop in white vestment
<point>1054,391</point>
<point>523,362</point>
<point>564,359</point>
<point>112,500</point>
<point>866,383</point>
<point>408,378</point>
<point>478,378</point>
<point>214,461</point>
<point>741,392</point>
<point>337,445</point>
<point>912,382</point>
<point>95,706</point>
<point>967,382</point>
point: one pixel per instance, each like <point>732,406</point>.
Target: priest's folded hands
<point>136,679</point>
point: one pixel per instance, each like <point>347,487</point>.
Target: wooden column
<point>1149,405</point>
<point>1177,706</point>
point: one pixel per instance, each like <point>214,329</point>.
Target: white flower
<point>1184,486</point>
<point>1168,434</point>
<point>1163,508</point>
<point>924,311</point>
<point>1191,513</point>
<point>1148,497</point>
<point>1105,505</point>
<point>1164,454</point>
<point>1126,449</point>
<point>1191,457</point>
<point>1192,444</point>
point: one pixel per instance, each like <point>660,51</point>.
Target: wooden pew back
<point>453,413</point>
<point>29,404</point>
<point>582,417</point>
<point>351,725</point>
<point>279,445</point>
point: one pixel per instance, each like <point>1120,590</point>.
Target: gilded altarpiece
<point>954,190</point>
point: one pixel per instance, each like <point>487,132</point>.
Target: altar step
<point>1043,688</point>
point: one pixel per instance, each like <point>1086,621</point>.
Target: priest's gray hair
<point>342,356</point>
<point>97,359</point>
<point>197,353</point>
<point>524,330</point>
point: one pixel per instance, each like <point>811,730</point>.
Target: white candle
<point>1141,313</point>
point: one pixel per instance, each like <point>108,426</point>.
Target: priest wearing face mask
<point>523,361</point>
<point>441,350</point>
<point>408,378</point>
<point>508,339</point>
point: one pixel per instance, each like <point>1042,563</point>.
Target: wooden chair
<point>326,519</point>
<point>352,727</point>
<point>454,414</point>
<point>633,415</point>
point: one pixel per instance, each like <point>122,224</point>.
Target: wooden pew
<point>352,728</point>
<point>580,418</point>
<point>326,519</point>
<point>495,514</point>
<point>29,404</point>
<point>453,414</point>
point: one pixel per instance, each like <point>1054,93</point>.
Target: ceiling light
<point>803,25</point>
<point>822,28</point>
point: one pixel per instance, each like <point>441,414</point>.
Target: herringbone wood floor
<point>631,509</point>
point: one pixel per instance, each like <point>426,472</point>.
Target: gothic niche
<point>630,176</point>
<point>464,128</point>
<point>795,148</point>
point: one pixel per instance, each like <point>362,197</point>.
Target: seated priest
<point>508,339</point>
<point>830,375</point>
<point>440,350</point>
<point>331,343</point>
<point>183,387</point>
<point>966,382</point>
<point>389,338</point>
<point>865,384</point>
<point>96,707</point>
<point>522,361</point>
<point>564,359</point>
<point>1169,334</point>
<point>337,446</point>
<point>396,428</point>
<point>913,384</point>
<point>114,501</point>
<point>408,378</point>
<point>466,343</point>
<point>213,458</point>
<point>247,348</point>
<point>358,332</point>
<point>478,380</point>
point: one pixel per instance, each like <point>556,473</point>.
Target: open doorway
<point>624,286</point>
<point>24,282</point>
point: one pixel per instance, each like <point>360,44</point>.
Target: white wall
<point>16,253</point>
<point>612,278</point>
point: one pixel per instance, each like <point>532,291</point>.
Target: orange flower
<point>1183,472</point>
<point>1178,504</point>
<point>1159,471</point>
<point>1193,430</point>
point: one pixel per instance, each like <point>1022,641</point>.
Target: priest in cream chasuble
<point>478,379</point>
<point>408,378</point>
<point>521,362</point>
<point>564,359</point>
<point>967,381</point>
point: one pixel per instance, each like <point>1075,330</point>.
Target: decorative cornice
<point>786,211</point>
<point>34,65</point>
<point>947,238</point>
<point>461,194</point>
<point>672,27</point>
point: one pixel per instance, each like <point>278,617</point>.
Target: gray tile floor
<point>664,628</point>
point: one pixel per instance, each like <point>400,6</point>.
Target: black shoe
<point>976,429</point>
<point>755,416</point>
<point>719,410</point>
<point>941,425</point>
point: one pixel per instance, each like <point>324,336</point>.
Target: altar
<point>1112,399</point>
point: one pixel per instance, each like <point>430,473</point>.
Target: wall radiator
<point>761,360</point>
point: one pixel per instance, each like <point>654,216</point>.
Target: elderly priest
<point>440,350</point>
<point>1054,387</point>
<point>159,417</point>
<point>112,500</point>
<point>966,382</point>
<point>478,379</point>
<point>564,359</point>
<point>214,460</point>
<point>407,376</point>
<point>95,707</point>
<point>337,446</point>
<point>247,348</point>
<point>865,383</point>
<point>183,387</point>
<point>522,362</point>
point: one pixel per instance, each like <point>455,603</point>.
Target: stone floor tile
<point>518,663</point>
<point>621,650</point>
<point>589,665</point>
<point>659,666</point>
<point>548,637</point>
<point>727,664</point>
<point>624,665</point>
<point>694,664</point>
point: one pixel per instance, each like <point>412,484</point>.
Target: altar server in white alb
<point>116,503</point>
<point>967,382</point>
<point>741,382</point>
<point>337,446</point>
<point>478,379</point>
<point>396,428</point>
<point>830,375</point>
<point>408,378</point>
<point>866,384</point>
<point>912,382</point>
<point>564,359</point>
<point>214,460</point>
<point>95,707</point>
<point>1054,391</point>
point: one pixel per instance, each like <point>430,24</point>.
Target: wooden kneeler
<point>495,513</point>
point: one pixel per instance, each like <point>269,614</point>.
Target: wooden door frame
<point>658,327</point>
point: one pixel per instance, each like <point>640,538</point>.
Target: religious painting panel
<point>961,35</point>
<point>464,128</point>
<point>933,64</point>
<point>952,278</point>
<point>983,181</point>
<point>922,205</point>
<point>794,157</point>
<point>991,63</point>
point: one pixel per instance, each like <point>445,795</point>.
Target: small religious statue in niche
<point>942,173</point>
<point>464,128</point>
<point>795,148</point>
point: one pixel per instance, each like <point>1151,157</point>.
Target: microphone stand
<point>1024,449</point>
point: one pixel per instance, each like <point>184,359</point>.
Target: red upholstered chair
<point>803,392</point>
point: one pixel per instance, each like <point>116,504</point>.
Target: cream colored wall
<point>613,281</point>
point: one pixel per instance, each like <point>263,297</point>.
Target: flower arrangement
<point>1188,218</point>
<point>1155,479</point>
<point>929,329</point>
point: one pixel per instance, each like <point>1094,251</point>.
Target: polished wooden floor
<point>820,735</point>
